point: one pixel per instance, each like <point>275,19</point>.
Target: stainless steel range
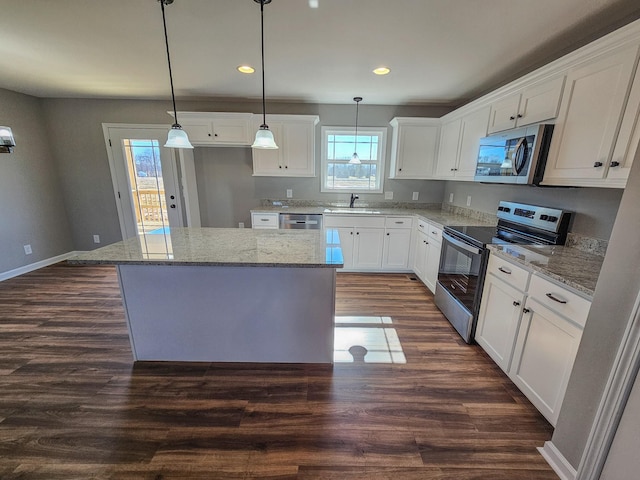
<point>464,256</point>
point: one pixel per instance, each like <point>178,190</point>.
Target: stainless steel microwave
<point>515,156</point>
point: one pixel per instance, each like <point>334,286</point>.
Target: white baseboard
<point>35,266</point>
<point>556,460</point>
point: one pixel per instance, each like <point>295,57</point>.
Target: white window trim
<point>323,154</point>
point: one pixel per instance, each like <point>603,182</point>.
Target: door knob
<point>525,310</point>
<point>597,164</point>
<point>173,205</point>
<point>615,164</point>
<point>516,303</point>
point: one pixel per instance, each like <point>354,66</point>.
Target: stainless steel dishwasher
<point>301,221</point>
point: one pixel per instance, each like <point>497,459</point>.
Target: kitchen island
<point>227,295</point>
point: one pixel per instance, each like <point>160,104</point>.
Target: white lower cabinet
<point>396,249</point>
<point>367,248</point>
<point>531,327</point>
<point>426,260</point>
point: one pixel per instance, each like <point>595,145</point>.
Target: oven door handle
<point>461,244</point>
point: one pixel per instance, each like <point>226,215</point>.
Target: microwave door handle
<point>462,245</point>
<point>520,157</point>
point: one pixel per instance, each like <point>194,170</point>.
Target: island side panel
<point>230,314</point>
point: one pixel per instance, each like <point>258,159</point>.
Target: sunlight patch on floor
<point>373,343</point>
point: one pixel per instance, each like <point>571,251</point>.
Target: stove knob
<point>553,219</point>
<point>544,217</point>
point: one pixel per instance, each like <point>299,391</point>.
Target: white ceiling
<point>439,51</point>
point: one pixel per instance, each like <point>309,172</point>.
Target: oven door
<point>460,270</point>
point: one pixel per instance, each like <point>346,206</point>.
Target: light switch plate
<point>240,224</point>
<point>27,250</point>
<point>289,193</point>
<point>96,239</point>
<point>468,200</point>
<point>451,198</point>
<point>415,195</point>
<point>388,195</point>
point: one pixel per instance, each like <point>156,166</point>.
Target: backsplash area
<point>596,246</point>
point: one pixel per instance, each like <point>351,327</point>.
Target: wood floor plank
<point>74,406</point>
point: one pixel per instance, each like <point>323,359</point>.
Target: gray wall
<point>617,289</point>
<point>225,174</point>
<point>595,208</point>
<point>32,210</point>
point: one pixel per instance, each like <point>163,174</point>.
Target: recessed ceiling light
<point>381,71</point>
<point>246,69</point>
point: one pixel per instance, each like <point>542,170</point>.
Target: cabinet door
<point>498,320</point>
<point>269,162</point>
<point>474,127</point>
<point>231,131</point>
<point>586,128</point>
<point>420,256</point>
<point>448,149</point>
<point>540,102</point>
<point>503,113</point>
<point>415,151</point>
<point>199,133</point>
<point>367,252</point>
<point>543,357</point>
<point>432,265</point>
<point>298,149</point>
<point>628,138</point>
<point>395,253</point>
<point>346,244</point>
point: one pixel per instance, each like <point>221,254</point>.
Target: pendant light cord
<point>264,108</point>
<point>166,42</point>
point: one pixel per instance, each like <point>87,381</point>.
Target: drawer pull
<point>555,299</point>
<point>265,219</point>
<point>503,270</point>
<point>421,225</point>
<point>435,233</point>
<point>400,222</point>
<point>516,303</point>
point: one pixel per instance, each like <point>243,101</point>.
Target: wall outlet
<point>96,239</point>
<point>451,198</point>
<point>415,195</point>
<point>388,195</point>
<point>468,200</point>
<point>289,193</point>
<point>27,250</point>
<point>240,224</point>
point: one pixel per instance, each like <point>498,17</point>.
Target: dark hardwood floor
<point>73,405</point>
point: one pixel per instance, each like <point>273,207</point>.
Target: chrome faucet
<point>353,199</point>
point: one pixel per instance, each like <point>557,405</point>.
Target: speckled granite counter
<point>222,247</point>
<point>439,218</point>
<point>570,266</point>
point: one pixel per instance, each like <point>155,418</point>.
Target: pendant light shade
<point>264,136</point>
<point>355,159</point>
<point>177,137</point>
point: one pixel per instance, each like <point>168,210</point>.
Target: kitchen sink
<point>351,210</point>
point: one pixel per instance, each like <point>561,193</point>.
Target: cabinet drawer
<point>434,233</point>
<point>514,275</point>
<point>353,221</point>
<point>560,300</point>
<point>264,220</point>
<point>398,222</point>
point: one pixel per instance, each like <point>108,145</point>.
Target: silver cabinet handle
<point>556,299</point>
<point>504,271</point>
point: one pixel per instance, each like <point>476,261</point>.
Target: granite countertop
<point>223,247</point>
<point>572,267</point>
<point>436,217</point>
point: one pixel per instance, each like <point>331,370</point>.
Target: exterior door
<point>144,175</point>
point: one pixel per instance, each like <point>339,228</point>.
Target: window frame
<point>382,152</point>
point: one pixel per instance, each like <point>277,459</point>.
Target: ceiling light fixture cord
<point>355,159</point>
<point>264,109</point>
<point>166,42</point>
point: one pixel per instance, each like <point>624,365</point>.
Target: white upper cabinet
<point>414,147</point>
<point>212,128</point>
<point>533,104</point>
<point>295,136</point>
<point>459,142</point>
<point>590,117</point>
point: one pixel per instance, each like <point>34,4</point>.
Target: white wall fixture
<point>6,140</point>
<point>264,136</point>
<point>177,137</point>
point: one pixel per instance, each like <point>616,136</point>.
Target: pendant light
<point>264,136</point>
<point>355,159</point>
<point>177,137</point>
